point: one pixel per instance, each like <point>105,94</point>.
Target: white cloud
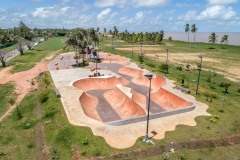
<point>149,3</point>
<point>188,16</point>
<point>221,2</point>
<point>2,18</point>
<point>133,3</point>
<point>104,14</point>
<point>109,3</point>
<point>51,12</point>
<point>217,12</point>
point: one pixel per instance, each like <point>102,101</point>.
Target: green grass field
<point>7,96</point>
<point>63,140</point>
<point>29,59</point>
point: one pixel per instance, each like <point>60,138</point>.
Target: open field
<point>66,141</point>
<point>221,60</point>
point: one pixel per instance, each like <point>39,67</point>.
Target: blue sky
<point>133,15</point>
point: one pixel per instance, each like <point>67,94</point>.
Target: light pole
<point>141,47</point>
<point>199,71</point>
<point>132,52</point>
<point>166,63</point>
<point>149,76</point>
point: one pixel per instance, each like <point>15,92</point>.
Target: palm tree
<point>187,30</point>
<point>212,38</point>
<point>225,40</point>
<point>194,30</point>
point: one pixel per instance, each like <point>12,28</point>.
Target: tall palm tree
<point>212,38</point>
<point>187,30</point>
<point>225,40</point>
<point>194,30</point>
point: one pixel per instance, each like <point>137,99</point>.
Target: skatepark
<point>116,101</point>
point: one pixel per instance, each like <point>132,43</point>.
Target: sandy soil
<point>231,73</point>
<point>22,81</point>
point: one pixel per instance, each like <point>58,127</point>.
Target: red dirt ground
<point>22,81</point>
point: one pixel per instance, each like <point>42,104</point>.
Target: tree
<point>212,38</point>
<point>187,30</point>
<point>3,57</point>
<point>24,35</point>
<point>105,31</point>
<point>226,86</point>
<point>194,30</point>
<point>225,40</point>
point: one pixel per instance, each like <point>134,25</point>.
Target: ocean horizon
<point>233,37</point>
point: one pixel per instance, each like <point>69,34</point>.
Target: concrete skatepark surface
<point>120,94</point>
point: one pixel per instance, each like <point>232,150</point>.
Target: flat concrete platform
<point>108,104</point>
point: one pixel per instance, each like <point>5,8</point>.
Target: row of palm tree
<point>153,37</point>
<point>213,39</point>
<point>194,30</point>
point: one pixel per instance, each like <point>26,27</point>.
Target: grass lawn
<point>17,135</point>
<point>7,96</point>
<point>222,153</point>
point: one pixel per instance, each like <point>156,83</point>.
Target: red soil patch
<point>22,81</point>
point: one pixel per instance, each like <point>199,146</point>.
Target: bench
<point>183,89</point>
<point>57,93</point>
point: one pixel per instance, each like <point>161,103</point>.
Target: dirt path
<point>39,139</point>
<point>22,81</point>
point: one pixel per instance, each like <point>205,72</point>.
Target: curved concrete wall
<point>89,104</point>
<point>99,83</point>
<point>122,104</point>
<point>168,101</point>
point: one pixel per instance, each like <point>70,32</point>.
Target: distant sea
<point>233,37</point>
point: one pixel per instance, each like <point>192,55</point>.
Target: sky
<point>133,15</point>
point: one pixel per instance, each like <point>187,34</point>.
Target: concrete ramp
<point>130,71</point>
<point>89,104</point>
<point>99,83</point>
<point>168,100</point>
<point>122,104</point>
<point>139,98</point>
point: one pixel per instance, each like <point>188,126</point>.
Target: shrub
<point>85,141</point>
<point>28,124</point>
<point>97,152</point>
<point>84,153</point>
<point>164,68</point>
<point>212,120</point>
<point>216,117</point>
<point>150,65</point>
<point>179,68</point>
<point>208,79</point>
<point>140,58</point>
<point>221,84</point>
<point>12,100</point>
<point>43,96</point>
<point>46,80</point>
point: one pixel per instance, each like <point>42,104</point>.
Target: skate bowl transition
<point>112,101</point>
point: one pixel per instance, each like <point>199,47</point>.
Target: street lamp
<point>167,57</point>
<point>199,70</point>
<point>132,52</point>
<point>149,76</point>
<point>141,47</point>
